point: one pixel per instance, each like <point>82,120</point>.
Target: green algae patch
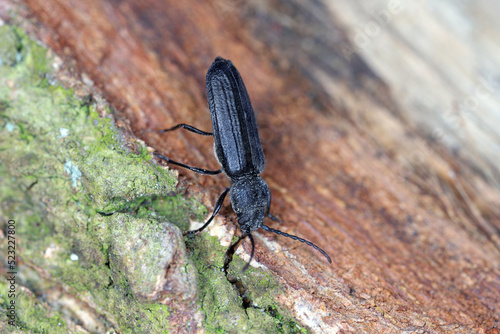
<point>248,306</point>
<point>175,210</point>
<point>36,316</point>
<point>82,196</point>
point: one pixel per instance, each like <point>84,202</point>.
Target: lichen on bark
<point>81,199</point>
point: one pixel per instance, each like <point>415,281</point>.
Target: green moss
<point>220,302</point>
<point>31,314</point>
<point>175,211</point>
<point>10,53</point>
<point>63,169</point>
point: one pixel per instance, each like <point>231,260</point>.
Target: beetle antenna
<point>267,228</point>
<point>251,255</point>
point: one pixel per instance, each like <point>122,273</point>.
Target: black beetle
<point>238,150</point>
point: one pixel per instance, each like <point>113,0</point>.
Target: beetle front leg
<point>218,205</point>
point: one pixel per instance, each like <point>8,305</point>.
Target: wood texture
<point>410,220</point>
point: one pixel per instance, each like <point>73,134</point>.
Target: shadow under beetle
<point>239,152</point>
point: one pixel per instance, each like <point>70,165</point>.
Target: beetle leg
<point>189,128</point>
<point>194,169</point>
<point>232,248</point>
<point>218,205</point>
<point>251,255</point>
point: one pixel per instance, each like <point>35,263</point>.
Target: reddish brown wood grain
<point>408,252</point>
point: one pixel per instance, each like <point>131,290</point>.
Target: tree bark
<point>377,122</point>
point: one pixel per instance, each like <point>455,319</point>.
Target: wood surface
<point>362,157</point>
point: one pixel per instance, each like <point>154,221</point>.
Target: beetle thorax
<point>250,198</point>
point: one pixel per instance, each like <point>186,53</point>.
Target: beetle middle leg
<point>194,169</point>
